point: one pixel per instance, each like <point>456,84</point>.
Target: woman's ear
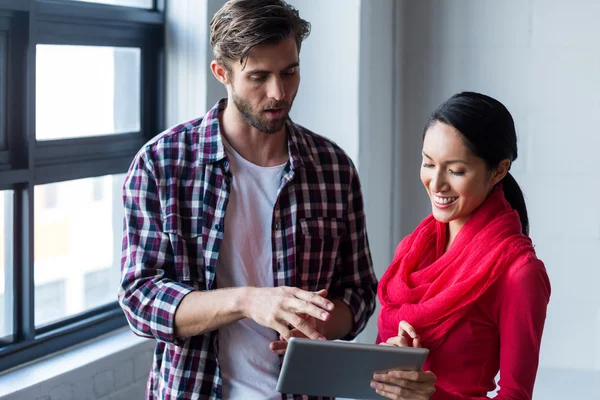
<point>500,171</point>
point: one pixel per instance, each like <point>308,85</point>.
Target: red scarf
<point>432,289</point>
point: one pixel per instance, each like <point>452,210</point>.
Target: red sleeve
<point>522,313</point>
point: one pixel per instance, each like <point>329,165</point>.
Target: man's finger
<point>299,306</point>
<point>300,325</point>
<point>313,298</point>
<point>278,347</point>
<point>282,329</point>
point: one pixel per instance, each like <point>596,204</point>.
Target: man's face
<point>264,90</point>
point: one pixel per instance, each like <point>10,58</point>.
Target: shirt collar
<point>212,149</point>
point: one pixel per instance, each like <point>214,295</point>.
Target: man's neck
<point>263,149</point>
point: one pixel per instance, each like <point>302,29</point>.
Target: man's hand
<point>282,307</point>
<point>281,345</point>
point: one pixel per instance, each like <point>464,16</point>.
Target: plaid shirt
<point>175,198</point>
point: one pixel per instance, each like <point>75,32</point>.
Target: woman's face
<point>456,180</point>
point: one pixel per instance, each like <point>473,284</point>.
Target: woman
<point>466,284</point>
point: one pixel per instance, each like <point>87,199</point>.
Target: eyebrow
<point>264,71</point>
<point>459,161</point>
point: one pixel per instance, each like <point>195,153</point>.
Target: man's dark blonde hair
<point>240,25</point>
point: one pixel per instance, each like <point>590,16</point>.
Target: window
<point>73,241</point>
<point>99,287</point>
<point>50,302</point>
<point>6,264</point>
<point>129,3</point>
<point>85,83</point>
<point>2,91</point>
<point>96,89</point>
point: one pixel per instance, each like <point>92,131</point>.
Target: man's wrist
<point>243,300</point>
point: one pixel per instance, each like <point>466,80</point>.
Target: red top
<point>512,312</point>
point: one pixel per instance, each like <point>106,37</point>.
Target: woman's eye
<point>425,165</point>
<point>458,173</point>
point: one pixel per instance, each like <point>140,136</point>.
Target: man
<point>242,228</point>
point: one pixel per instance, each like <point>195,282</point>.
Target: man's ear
<point>500,171</point>
<point>220,71</point>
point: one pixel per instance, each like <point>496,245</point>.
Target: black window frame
<point>25,162</point>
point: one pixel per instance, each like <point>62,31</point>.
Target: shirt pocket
<point>185,235</point>
<point>317,250</point>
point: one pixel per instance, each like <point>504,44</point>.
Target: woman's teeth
<point>445,200</point>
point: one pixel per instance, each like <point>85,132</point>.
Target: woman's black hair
<point>489,132</point>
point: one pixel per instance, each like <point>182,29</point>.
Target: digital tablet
<point>341,369</point>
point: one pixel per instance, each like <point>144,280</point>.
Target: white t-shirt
<point>249,368</point>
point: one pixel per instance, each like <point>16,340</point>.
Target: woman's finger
<point>405,383</point>
<point>394,392</point>
<point>399,341</point>
<point>408,328</point>
<point>417,342</point>
<point>416,376</point>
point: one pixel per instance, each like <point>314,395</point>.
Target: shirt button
<point>218,227</point>
<point>276,225</point>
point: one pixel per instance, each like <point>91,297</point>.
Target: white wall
<point>327,101</point>
<point>346,94</point>
<point>542,59</point>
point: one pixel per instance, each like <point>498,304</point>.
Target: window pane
<point>6,263</point>
<point>77,246</point>
<point>130,3</point>
<point>86,91</point>
<point>2,90</point>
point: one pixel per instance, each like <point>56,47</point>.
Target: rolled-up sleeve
<point>148,294</point>
<point>356,285</point>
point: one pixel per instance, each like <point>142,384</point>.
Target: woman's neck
<point>452,231</point>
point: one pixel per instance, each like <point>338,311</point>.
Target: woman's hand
<point>407,336</point>
<point>405,385</point>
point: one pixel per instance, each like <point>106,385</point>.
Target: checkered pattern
<point>175,197</point>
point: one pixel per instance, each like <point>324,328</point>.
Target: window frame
<point>26,162</point>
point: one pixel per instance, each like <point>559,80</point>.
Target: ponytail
<point>514,196</point>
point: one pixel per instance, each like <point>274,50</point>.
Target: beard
<point>256,119</point>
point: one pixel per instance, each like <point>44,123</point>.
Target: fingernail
<point>324,315</point>
<point>322,338</point>
<point>373,385</point>
<point>329,306</point>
